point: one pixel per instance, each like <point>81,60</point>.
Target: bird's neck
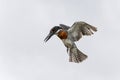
<point>62,34</point>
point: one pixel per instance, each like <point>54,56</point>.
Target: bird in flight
<point>69,35</point>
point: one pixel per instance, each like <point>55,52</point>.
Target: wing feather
<point>81,28</point>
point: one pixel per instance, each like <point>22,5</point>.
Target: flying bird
<point>69,35</point>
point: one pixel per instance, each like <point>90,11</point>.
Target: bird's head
<point>52,32</point>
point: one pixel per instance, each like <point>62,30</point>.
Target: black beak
<point>52,32</point>
<point>48,37</point>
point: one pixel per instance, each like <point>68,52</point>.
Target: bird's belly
<point>68,43</point>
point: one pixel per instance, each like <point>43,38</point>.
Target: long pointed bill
<point>48,37</point>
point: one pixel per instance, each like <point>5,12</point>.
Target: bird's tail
<point>75,55</point>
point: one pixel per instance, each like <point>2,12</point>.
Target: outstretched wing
<point>65,27</point>
<point>81,28</point>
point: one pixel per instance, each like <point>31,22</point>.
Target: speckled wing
<point>80,28</point>
<point>65,27</point>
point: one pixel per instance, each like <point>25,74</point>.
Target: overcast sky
<point>25,23</point>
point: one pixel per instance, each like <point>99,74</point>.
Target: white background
<point>25,23</point>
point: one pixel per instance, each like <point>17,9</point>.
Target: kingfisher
<point>69,35</point>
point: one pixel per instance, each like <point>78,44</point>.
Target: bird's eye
<point>53,30</point>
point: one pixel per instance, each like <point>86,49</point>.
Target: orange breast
<point>62,34</point>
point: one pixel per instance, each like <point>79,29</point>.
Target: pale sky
<point>25,56</point>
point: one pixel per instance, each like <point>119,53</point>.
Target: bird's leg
<point>70,54</point>
<point>67,50</point>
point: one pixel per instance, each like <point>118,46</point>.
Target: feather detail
<point>76,55</point>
